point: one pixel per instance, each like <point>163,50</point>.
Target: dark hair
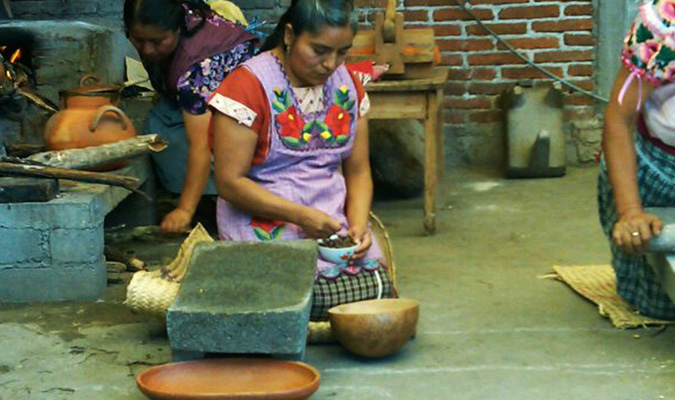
<point>165,14</point>
<point>311,16</point>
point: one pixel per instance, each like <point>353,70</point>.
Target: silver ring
<point>635,233</point>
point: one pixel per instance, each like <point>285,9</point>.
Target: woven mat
<point>597,283</point>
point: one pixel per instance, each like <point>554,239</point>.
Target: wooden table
<point>417,99</point>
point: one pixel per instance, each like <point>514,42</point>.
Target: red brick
<point>452,60</point>
<point>464,45</point>
<point>486,116</point>
<point>501,29</point>
<point>563,56</point>
<point>565,25</point>
<point>529,73</point>
<point>578,100</point>
<point>426,3</point>
<point>416,15</point>
<point>579,39</point>
<point>467,104</point>
<point>474,2</point>
<point>458,74</point>
<point>586,84</point>
<point>489,88</point>
<point>455,88</point>
<point>454,116</point>
<point>370,3</point>
<point>581,70</point>
<point>483,74</point>
<point>586,9</point>
<point>531,12</point>
<point>499,58</point>
<point>532,43</point>
<point>447,30</point>
<point>457,14</point>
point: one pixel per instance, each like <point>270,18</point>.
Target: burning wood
<point>17,78</point>
<point>16,56</point>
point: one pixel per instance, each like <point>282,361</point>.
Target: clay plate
<point>229,379</point>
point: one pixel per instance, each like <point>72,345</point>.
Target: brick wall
<point>558,35</point>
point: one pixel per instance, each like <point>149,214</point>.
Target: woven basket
<point>153,291</point>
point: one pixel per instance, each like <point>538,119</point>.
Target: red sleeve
<point>360,91</point>
<point>243,87</point>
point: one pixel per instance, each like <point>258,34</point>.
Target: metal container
<point>535,134</point>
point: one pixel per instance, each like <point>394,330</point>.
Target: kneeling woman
<point>291,149</point>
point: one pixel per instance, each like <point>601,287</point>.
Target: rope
<point>527,60</point>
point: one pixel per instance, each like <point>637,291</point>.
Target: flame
<point>16,56</point>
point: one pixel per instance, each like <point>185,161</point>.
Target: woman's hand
<point>177,221</point>
<point>634,229</point>
<point>363,237</point>
<point>317,224</point>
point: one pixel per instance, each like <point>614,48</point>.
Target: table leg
<point>431,137</point>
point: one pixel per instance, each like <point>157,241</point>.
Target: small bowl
<point>339,255</point>
<point>375,328</point>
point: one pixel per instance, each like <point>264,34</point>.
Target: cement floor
<point>489,328</point>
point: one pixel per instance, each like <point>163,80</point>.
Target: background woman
<point>638,170</point>
<point>291,149</point>
<point>188,50</point>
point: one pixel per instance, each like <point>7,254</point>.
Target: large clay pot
<point>90,94</point>
<point>75,128</point>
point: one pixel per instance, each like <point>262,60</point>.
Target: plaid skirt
<point>366,285</point>
<point>636,281</point>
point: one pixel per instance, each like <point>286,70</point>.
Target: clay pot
<point>76,128</point>
<point>230,379</point>
<point>375,328</point>
<point>90,94</point>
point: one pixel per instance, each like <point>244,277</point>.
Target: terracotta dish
<point>375,328</point>
<point>230,379</point>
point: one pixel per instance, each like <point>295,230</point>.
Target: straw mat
<point>597,283</point>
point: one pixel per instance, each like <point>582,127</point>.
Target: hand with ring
<point>634,229</point>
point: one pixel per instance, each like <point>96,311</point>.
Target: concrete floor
<point>489,329</point>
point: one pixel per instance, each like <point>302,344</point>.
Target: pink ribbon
<point>626,84</point>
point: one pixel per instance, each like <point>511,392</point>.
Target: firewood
<point>10,166</point>
<point>90,157</point>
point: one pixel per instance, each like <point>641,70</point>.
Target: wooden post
<point>430,162</point>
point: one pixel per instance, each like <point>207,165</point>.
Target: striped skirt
<point>636,281</point>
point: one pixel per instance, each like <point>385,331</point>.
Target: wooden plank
<point>411,85</point>
<point>398,106</point>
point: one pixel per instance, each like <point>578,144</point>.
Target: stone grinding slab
<point>245,298</point>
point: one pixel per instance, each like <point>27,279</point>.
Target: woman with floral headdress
<point>638,166</point>
<point>291,149</point>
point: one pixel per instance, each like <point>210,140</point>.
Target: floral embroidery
<point>667,10</point>
<point>266,230</point>
<point>296,133</point>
